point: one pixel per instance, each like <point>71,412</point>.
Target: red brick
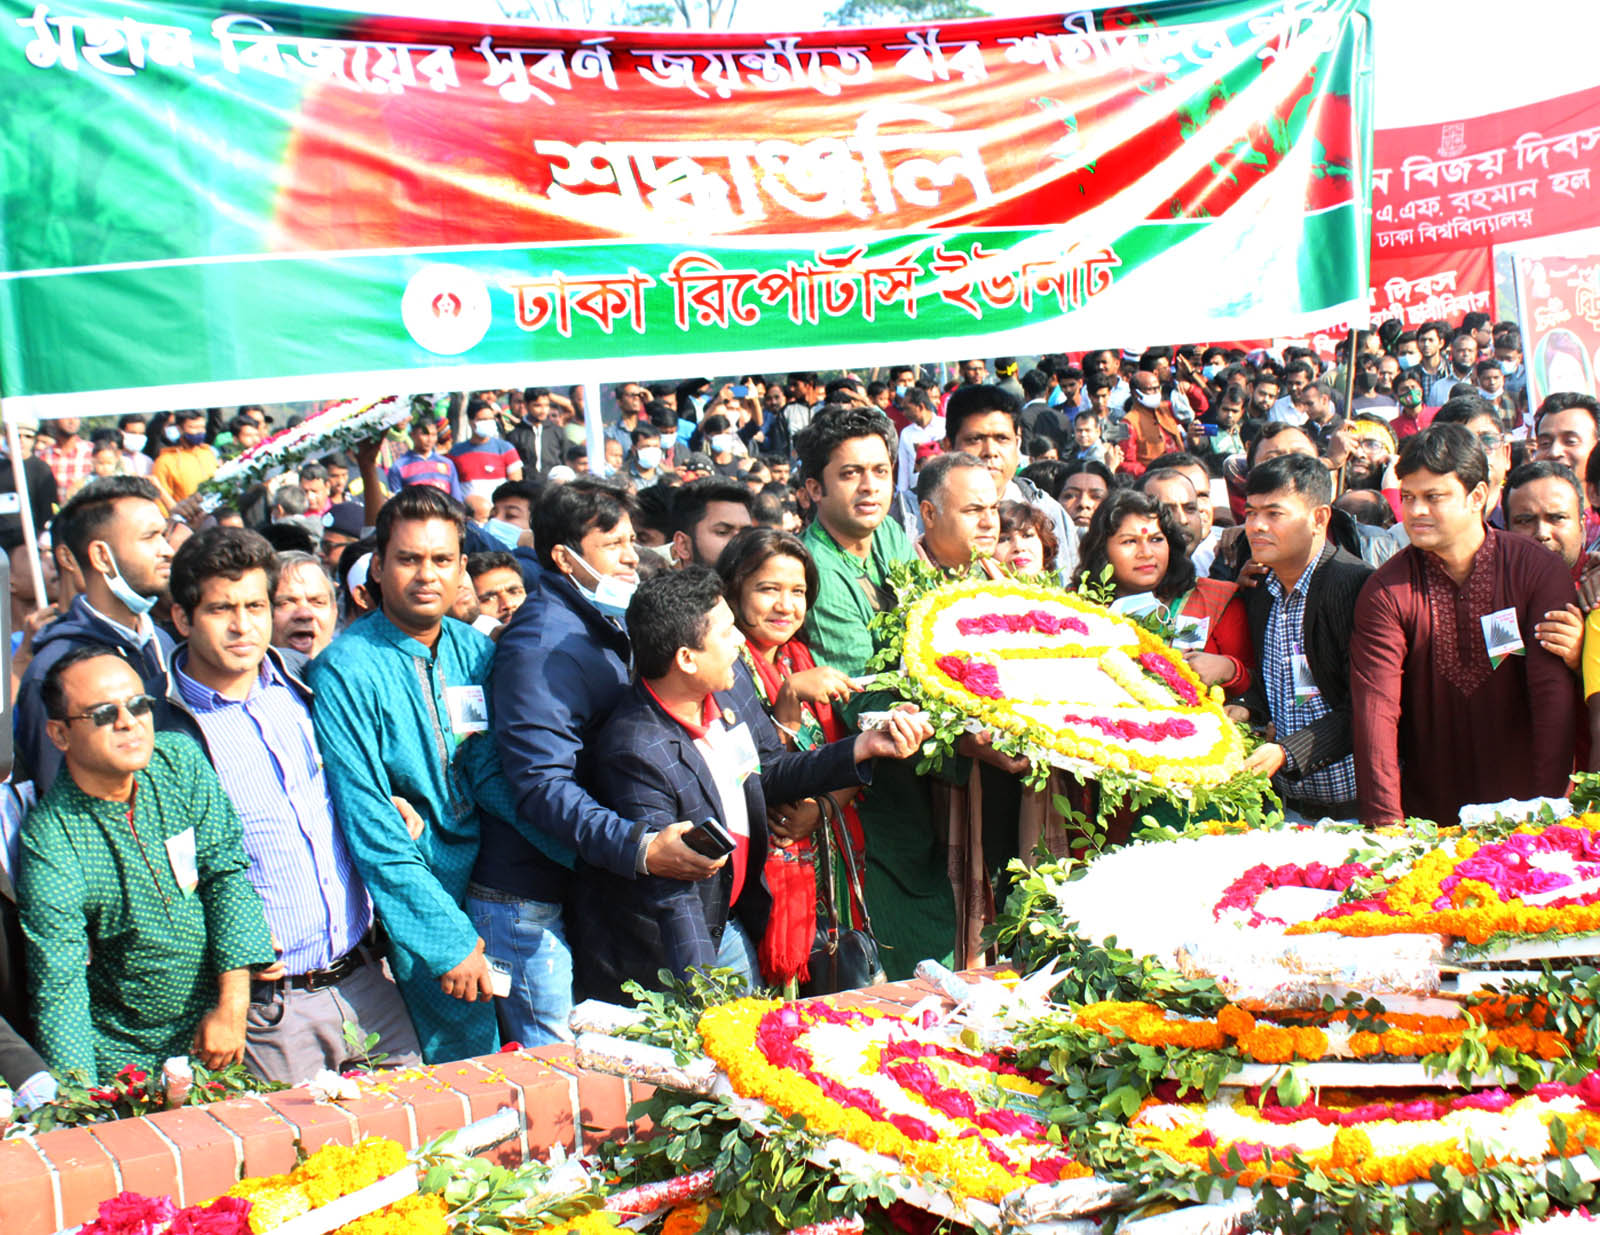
<point>601,1107</point>
<point>85,1169</point>
<point>315,1123</point>
<point>382,1116</point>
<point>146,1162</point>
<point>637,1092</point>
<point>434,1105</point>
<point>267,1139</point>
<point>28,1201</point>
<point>209,1155</point>
<point>546,1100</point>
<point>488,1088</point>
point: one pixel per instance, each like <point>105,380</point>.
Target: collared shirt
<point>266,755</point>
<point>71,465</point>
<point>139,636</point>
<point>850,590</point>
<point>1285,638</point>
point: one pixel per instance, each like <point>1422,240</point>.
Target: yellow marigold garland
<point>729,1035</point>
<point>333,1171</point>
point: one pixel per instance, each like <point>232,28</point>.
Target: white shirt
<point>911,437</point>
<point>1206,551</point>
<point>1285,411</point>
<point>724,768</point>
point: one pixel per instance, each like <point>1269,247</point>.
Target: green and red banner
<point>207,205</point>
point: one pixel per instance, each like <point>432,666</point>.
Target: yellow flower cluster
<point>729,1035</point>
<point>333,1171</point>
<point>1351,1154</point>
<point>1215,766</point>
<point>595,1222</point>
<point>422,1213</point>
<point>1476,912</point>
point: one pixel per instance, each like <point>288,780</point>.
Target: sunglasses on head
<point>103,714</point>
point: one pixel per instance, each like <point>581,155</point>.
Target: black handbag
<point>842,959</point>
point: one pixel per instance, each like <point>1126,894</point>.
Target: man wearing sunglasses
<point>133,857</point>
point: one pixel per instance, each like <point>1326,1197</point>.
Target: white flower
<point>329,1086</point>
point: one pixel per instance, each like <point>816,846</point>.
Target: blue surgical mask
<point>610,594</point>
<point>1210,371</point>
<point>900,391</point>
<point>120,588</point>
<point>506,533</point>
<point>1410,362</point>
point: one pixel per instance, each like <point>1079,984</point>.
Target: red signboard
<point>1433,286</point>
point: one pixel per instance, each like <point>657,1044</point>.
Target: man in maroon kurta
<point>1438,724</point>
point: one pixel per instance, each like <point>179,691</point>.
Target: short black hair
<point>833,426</point>
<point>1445,450</point>
<point>644,432</point>
<point>969,401</point>
<point>419,504</point>
<point>566,513</point>
<point>1458,409</point>
<point>1175,459</point>
<point>690,501</point>
<point>510,489</point>
<point>1539,469</point>
<point>1300,473</point>
<point>219,552</point>
<point>669,612</point>
<point>289,537</point>
<point>747,552</point>
<point>1277,428</point>
<point>1094,467</point>
<point>1088,413</point>
<point>52,694</point>
<point>1566,400</point>
<point>492,559</point>
<point>84,518</point>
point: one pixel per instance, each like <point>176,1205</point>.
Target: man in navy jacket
<point>691,742</point>
<point>560,668</point>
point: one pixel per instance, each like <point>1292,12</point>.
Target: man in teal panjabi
<point>135,858</point>
<point>846,455</point>
<point>401,711</point>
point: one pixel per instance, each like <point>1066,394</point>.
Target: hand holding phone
<point>709,839</point>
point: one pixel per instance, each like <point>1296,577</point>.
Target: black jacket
<point>551,443</point>
<point>1330,617</point>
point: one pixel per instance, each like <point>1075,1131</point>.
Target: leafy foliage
<point>901,12</point>
<point>672,1015</point>
<point>132,1092</point>
<point>488,1199</point>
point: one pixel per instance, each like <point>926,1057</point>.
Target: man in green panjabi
<point>401,711</point>
<point>134,857</point>
<point>846,454</point>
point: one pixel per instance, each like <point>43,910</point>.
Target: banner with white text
<point>206,205</point>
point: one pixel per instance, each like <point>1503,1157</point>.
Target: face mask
<point>649,457</point>
<point>1410,398</point>
<point>1490,395</point>
<point>1210,371</point>
<point>484,429</point>
<point>610,594</point>
<point>506,533</point>
<point>699,402</point>
<point>194,439</point>
<point>1509,369</point>
<point>137,605</point>
<point>900,391</point>
<point>1148,398</point>
<point>133,443</point>
<point>1410,362</point>
<point>171,433</point>
<point>722,444</point>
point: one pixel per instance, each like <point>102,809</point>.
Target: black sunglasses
<point>103,714</point>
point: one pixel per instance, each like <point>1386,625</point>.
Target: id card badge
<point>1192,633</point>
<point>1305,686</point>
<point>808,736</point>
<point>469,713</point>
<point>1502,636</point>
<point>181,854</point>
<point>741,748</point>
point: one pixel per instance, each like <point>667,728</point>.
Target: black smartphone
<point>709,839</point>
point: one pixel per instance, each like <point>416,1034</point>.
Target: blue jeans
<point>528,936</point>
<point>736,953</point>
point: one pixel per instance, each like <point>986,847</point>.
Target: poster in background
<point>1429,287</point>
<point>1559,302</point>
<point>205,205</point>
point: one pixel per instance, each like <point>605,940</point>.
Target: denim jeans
<point>529,938</point>
<point>736,953</point>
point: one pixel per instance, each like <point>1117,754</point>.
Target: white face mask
<point>1148,398</point>
<point>649,457</point>
<point>133,443</point>
<point>722,444</point>
<point>609,594</point>
<point>120,588</point>
<point>171,433</point>
<point>485,429</point>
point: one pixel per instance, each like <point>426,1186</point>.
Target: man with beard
<point>706,515</point>
<point>1372,449</point>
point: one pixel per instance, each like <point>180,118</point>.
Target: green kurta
<point>94,885</point>
<point>907,881</point>
<point>384,725</point>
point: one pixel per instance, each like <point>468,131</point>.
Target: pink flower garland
<point>1127,730</point>
<point>1037,621</point>
<point>978,676</point>
<point>1425,1110</point>
<point>1506,865</point>
<point>1161,667</point>
<point>1246,890</point>
<point>777,1039</point>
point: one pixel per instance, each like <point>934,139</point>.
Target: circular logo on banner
<point>446,309</point>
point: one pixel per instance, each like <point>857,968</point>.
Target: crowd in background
<point>429,739</point>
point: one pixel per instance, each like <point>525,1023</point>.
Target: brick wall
<point>59,1179</point>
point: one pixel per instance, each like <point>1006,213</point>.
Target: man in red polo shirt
<point>689,743</point>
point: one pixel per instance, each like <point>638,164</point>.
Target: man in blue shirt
<point>236,695</point>
<point>423,465</point>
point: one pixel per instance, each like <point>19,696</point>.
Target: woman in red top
<point>1151,570</point>
<point>771,581</point>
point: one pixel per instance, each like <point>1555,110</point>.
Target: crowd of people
<point>428,741</point>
